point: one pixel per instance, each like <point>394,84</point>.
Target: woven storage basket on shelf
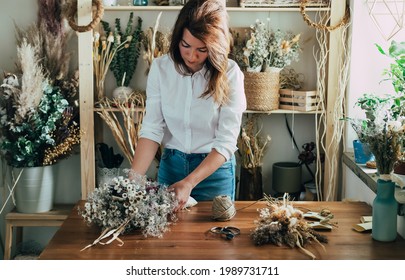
<point>262,90</point>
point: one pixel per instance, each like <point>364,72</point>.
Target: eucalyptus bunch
<point>123,63</point>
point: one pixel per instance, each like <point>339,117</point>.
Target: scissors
<point>228,232</point>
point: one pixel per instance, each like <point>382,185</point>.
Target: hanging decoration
<point>388,16</point>
<point>97,16</point>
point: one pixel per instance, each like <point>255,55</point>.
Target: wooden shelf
<point>281,111</point>
<point>229,9</point>
<point>367,175</point>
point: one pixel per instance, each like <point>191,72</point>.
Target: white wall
<point>367,65</point>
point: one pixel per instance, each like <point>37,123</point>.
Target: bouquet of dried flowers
<point>382,128</point>
<point>127,204</point>
<point>282,224</point>
<point>123,63</point>
<point>251,145</point>
<point>38,103</point>
<point>262,48</point>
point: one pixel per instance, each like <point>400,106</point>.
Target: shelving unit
<point>87,110</point>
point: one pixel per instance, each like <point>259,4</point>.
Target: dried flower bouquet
<point>251,145</point>
<point>282,224</point>
<point>261,48</point>
<point>127,204</point>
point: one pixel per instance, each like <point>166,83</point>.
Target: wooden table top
<point>188,238</point>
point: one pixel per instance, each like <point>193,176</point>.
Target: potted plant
<point>38,109</point>
<point>262,53</point>
<point>383,129</point>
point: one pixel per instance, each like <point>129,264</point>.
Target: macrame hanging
<point>387,15</point>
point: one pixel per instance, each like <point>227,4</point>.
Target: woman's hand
<point>182,190</point>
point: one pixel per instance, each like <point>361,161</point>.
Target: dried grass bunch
<point>155,43</point>
<point>251,145</point>
<point>282,224</point>
<point>127,204</point>
<point>125,133</point>
<point>39,108</point>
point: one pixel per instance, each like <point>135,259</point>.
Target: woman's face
<point>193,51</point>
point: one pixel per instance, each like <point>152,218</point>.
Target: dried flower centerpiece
<point>124,62</point>
<point>282,224</point>
<point>128,204</point>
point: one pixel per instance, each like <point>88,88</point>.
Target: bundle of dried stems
<point>251,144</point>
<point>125,133</point>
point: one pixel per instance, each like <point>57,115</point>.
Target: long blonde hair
<point>207,20</point>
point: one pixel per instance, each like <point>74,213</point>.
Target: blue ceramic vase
<point>385,206</point>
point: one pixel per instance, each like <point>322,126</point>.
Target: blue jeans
<point>175,166</point>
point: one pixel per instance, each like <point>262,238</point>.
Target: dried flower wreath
<point>127,204</point>
<point>282,224</point>
<point>72,10</point>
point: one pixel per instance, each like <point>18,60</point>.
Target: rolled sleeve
<point>230,118</point>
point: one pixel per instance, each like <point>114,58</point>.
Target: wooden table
<point>188,238</point>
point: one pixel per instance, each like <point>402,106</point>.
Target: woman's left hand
<point>183,190</point>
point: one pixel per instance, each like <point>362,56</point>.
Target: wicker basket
<point>262,90</point>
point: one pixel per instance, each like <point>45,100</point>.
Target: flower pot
<point>384,223</point>
<point>287,177</point>
<point>34,192</point>
<point>362,152</point>
<point>262,90</point>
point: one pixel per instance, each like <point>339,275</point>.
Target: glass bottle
<point>140,2</point>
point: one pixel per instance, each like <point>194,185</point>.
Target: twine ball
<point>223,208</point>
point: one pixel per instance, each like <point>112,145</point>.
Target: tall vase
<point>384,225</point>
<point>250,185</point>
<point>34,191</point>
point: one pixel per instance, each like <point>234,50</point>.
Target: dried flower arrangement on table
<point>127,204</point>
<point>282,224</point>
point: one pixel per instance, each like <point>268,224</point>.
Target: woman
<point>195,100</point>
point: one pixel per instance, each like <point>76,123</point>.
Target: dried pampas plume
<point>31,81</point>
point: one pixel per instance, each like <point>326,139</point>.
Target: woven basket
<point>262,90</point>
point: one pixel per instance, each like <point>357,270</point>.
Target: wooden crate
<point>298,100</point>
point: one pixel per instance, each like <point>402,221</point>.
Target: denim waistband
<point>184,155</point>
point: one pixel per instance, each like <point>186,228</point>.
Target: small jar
<point>140,2</point>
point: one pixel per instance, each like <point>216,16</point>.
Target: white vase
<point>121,93</point>
<point>34,192</point>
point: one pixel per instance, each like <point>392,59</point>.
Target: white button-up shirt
<point>179,118</point>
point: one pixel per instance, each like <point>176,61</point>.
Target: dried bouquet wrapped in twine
<point>252,147</point>
<point>282,224</point>
<point>132,109</point>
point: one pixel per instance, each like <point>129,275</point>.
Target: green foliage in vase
<point>124,62</point>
